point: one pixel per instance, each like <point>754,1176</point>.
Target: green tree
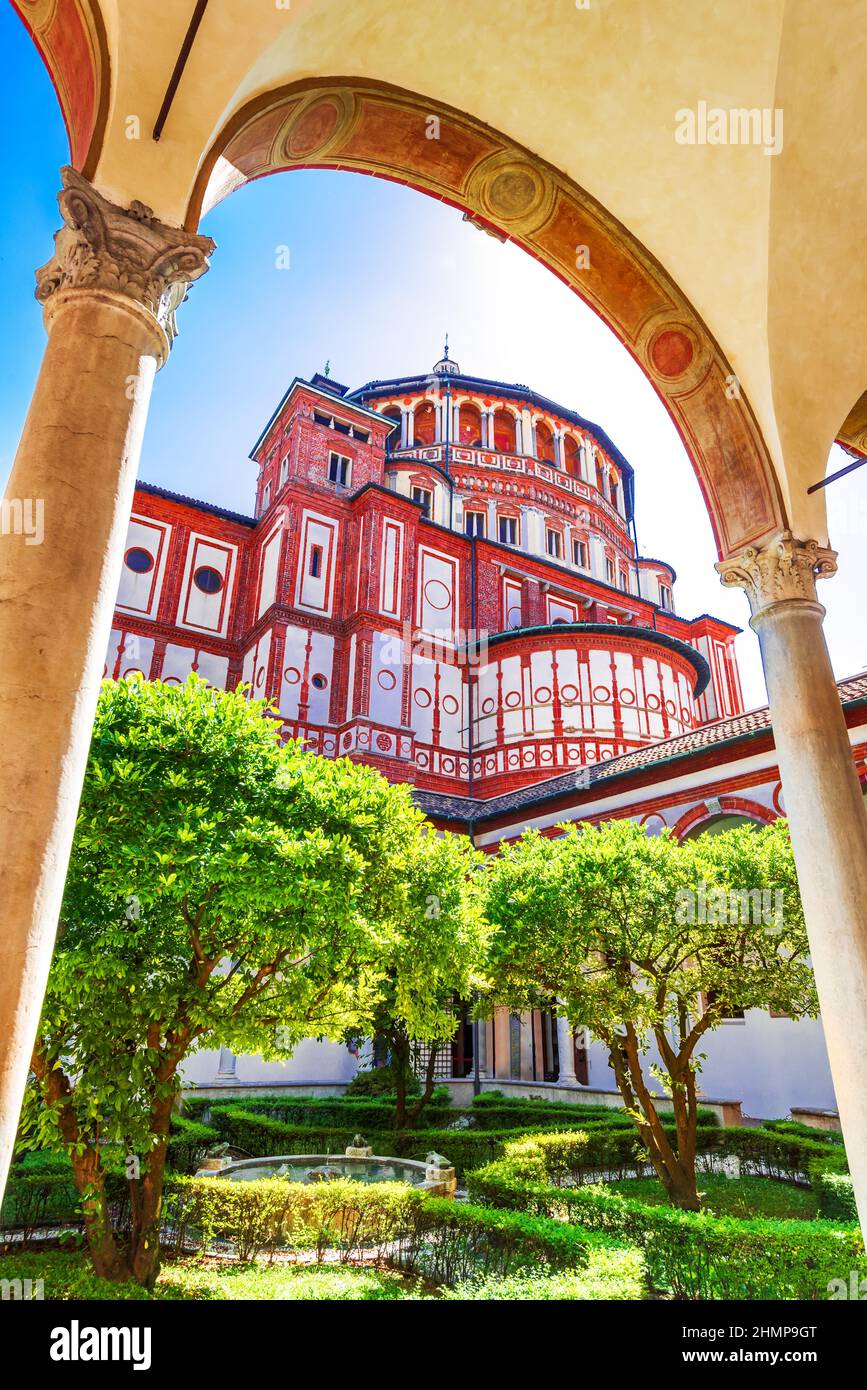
<point>650,944</point>
<point>447,959</point>
<point>222,888</point>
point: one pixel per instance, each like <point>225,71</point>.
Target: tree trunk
<point>107,1259</point>
<point>430,1072</point>
<point>400,1053</point>
<point>675,1170</point>
<point>87,1171</point>
<point>144,1247</point>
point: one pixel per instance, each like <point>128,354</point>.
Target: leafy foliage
<point>689,1254</point>
<point>225,888</point>
<point>650,944</point>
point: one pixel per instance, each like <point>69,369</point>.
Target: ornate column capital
<point>784,569</point>
<point>126,252</point>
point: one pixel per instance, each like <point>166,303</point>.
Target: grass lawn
<point>68,1276</point>
<point>742,1197</point>
<point>612,1273</point>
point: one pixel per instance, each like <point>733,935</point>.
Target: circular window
<point>138,560</point>
<point>319,682</point>
<point>209,580</point>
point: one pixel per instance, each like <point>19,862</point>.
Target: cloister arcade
<point>702,260</point>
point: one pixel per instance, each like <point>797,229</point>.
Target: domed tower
<point>541,639</point>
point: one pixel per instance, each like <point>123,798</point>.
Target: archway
<point>725,814</point>
<point>349,124</point>
<point>371,127</point>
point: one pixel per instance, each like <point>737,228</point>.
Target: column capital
<point>125,252</point>
<point>783,569</point>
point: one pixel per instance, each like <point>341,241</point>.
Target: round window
<point>209,580</point>
<point>138,560</point>
<point>318,682</point>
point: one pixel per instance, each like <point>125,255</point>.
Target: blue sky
<point>377,274</point>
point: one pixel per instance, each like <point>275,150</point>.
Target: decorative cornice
<point>782,570</point>
<point>126,251</point>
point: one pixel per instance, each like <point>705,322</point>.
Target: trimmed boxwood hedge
<point>614,1152</point>
<point>389,1222</point>
<point>689,1254</point>
<point>334,1114</point>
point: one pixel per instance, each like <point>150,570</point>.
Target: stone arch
<point>572,454</point>
<point>702,817</point>
<point>424,423</point>
<point>393,413</point>
<point>469,425</point>
<point>374,128</point>
<point>72,43</point>
<point>545,450</point>
<point>505,436</point>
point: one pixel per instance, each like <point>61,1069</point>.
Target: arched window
<point>571,455</point>
<point>392,439</point>
<point>425,424</point>
<point>614,491</point>
<point>504,432</point>
<point>470,427</point>
<point>544,442</point>
<point>717,824</point>
<point>600,477</point>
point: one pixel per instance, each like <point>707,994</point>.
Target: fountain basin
<point>313,1168</point>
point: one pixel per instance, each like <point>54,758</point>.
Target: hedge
<point>615,1151</point>
<point>389,1222</point>
<point>35,1199</point>
<point>379,1114</point>
<point>494,1110</point>
<point>827,1136</point>
<point>327,1113</point>
<point>689,1254</point>
<point>836,1195</point>
<point>261,1137</point>
<point>188,1144</point>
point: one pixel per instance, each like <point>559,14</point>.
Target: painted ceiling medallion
<point>511,191</point>
<point>672,352</point>
<point>314,128</point>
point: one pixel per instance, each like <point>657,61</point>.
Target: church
<point>441,579</point>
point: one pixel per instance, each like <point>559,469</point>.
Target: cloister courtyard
<point>406,896</point>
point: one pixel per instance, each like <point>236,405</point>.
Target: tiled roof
<point>724,731</point>
<point>155,491</point>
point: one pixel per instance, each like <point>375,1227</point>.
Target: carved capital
<point>127,251</point>
<point>783,569</point>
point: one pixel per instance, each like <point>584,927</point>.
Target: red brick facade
<point>468,618</point>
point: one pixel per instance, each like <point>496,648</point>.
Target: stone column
<point>484,1049</point>
<point>824,805</point>
<point>227,1066</point>
<point>109,295</point>
<point>566,1052</point>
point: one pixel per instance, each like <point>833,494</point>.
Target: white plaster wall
<point>769,1064</point>
<point>311,1061</point>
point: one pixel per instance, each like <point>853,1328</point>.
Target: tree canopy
<point>226,888</point>
<point>650,944</point>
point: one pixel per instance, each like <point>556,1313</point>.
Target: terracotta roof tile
<point>709,735</point>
